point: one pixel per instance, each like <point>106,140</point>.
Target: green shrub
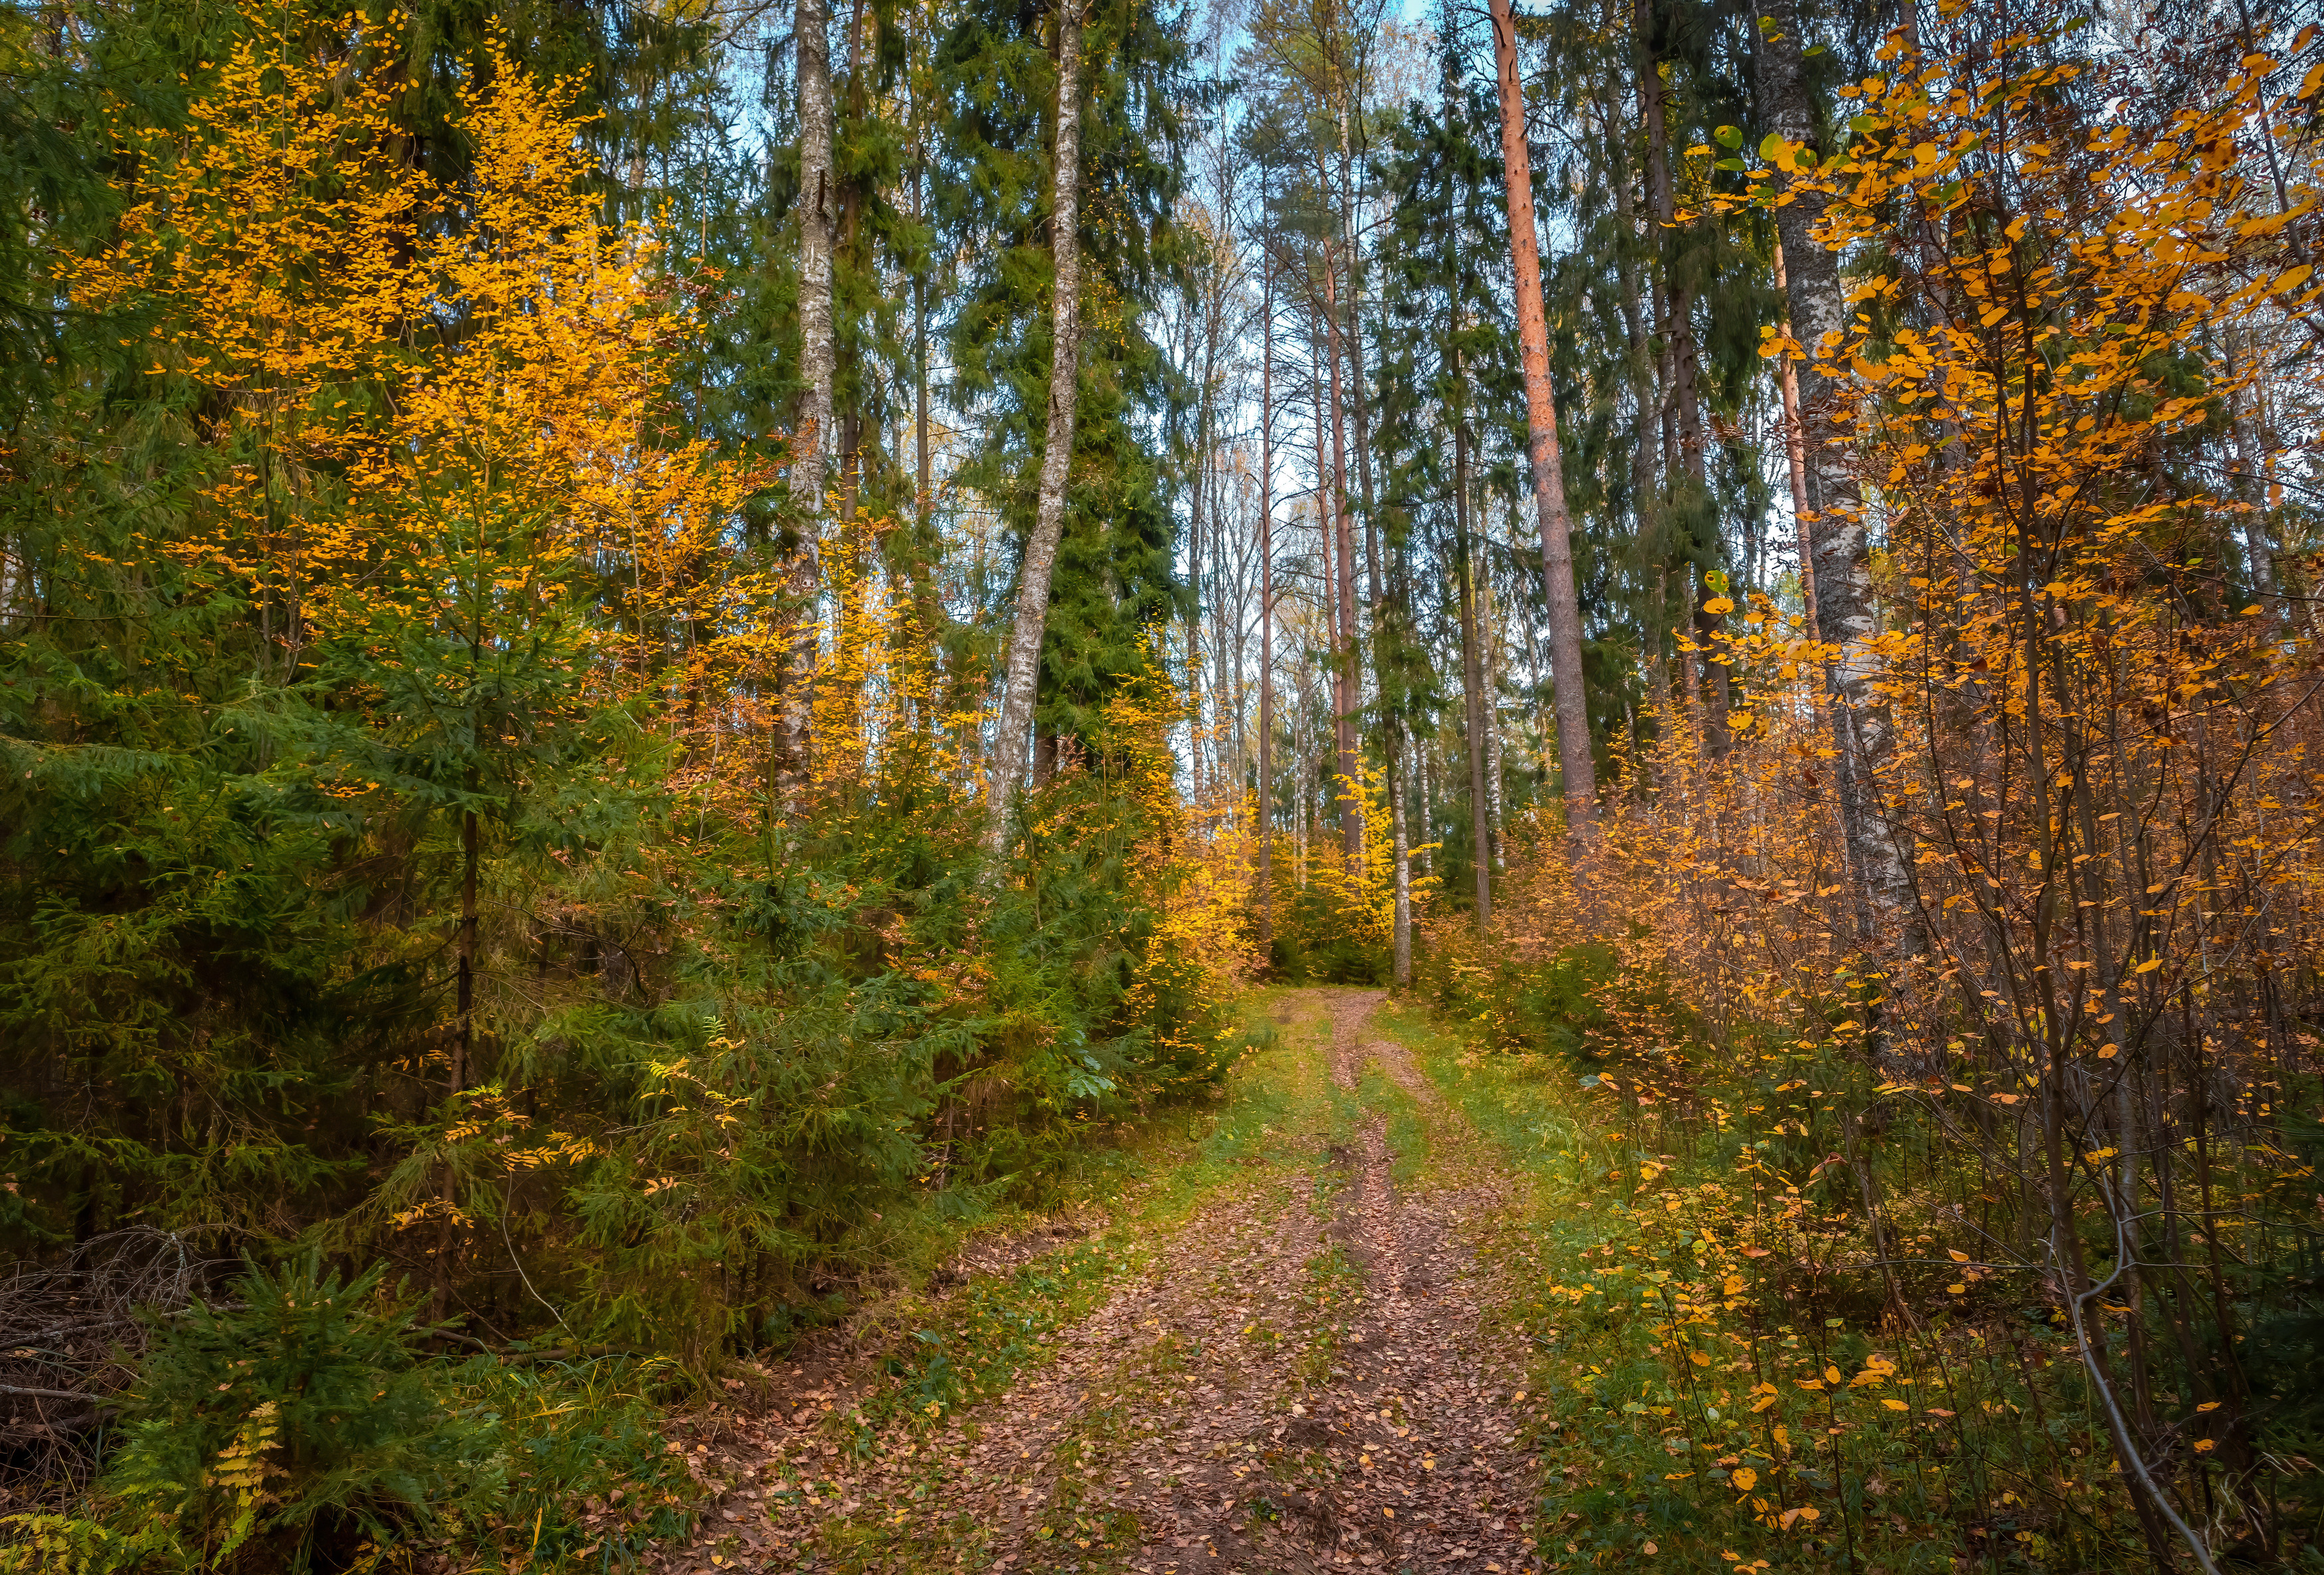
<point>301,1427</point>
<point>300,1423</point>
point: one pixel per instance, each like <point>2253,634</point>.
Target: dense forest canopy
<point>645,650</point>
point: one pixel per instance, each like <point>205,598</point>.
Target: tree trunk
<point>1796,451</point>
<point>1471,679</point>
<point>810,463</point>
<point>463,1058</point>
<point>1648,465</point>
<point>1266,607</point>
<point>1194,629</point>
<point>1573,758</point>
<point>1024,669</point>
<point>1226,628</point>
<point>1340,543</point>
<point>924,494</point>
<point>1393,746</point>
<point>1489,661</point>
<point>1840,545</point>
<point>1472,687</point>
<point>1685,394</point>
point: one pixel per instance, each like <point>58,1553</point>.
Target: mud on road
<point>1303,1376</point>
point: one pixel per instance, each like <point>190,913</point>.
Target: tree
<point>1014,734</point>
<point>1838,532</point>
<point>1541,420</point>
<point>1448,363</point>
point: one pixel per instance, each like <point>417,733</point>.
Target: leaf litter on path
<point>1300,1377</point>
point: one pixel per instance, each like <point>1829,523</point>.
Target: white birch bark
<point>1022,677</point>
<point>1837,533</point>
<point>810,462</point>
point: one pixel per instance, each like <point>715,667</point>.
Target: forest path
<point>1301,1375</point>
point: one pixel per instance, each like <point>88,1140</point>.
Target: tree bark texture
<point>810,462</point>
<point>1266,607</point>
<point>1023,675</point>
<point>1837,534</point>
<point>1471,674</point>
<point>1795,454</point>
<point>1573,758</point>
<point>1345,684</point>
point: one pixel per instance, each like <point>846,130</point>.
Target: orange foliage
<point>439,412</point>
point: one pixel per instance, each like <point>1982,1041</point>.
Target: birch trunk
<point>1343,546</point>
<point>1024,668</point>
<point>810,465</point>
<point>1266,607</point>
<point>1573,759</point>
<point>1837,535</point>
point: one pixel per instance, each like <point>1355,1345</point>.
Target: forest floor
<point>1287,1356</point>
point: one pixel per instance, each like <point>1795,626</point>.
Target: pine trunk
<point>1023,674</point>
<point>1573,758</point>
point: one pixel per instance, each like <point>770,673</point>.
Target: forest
<point>1161,785</point>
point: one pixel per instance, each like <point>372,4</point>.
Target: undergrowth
<point>1716,1388</point>
<point>947,1355</point>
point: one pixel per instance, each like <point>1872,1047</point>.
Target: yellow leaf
<point>1896,1406</point>
<point>2149,966</point>
<point>1745,1478</point>
<point>1956,1256</point>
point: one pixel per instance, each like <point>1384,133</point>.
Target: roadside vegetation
<point>675,682</point>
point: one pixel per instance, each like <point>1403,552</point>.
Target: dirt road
<point>1302,1376</point>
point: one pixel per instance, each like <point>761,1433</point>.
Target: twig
<point>49,1394</point>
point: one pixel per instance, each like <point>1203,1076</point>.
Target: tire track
<point>1304,1378</point>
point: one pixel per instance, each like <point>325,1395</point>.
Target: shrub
<point>297,1424</point>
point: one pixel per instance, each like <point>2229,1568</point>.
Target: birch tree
<point>1022,676</point>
